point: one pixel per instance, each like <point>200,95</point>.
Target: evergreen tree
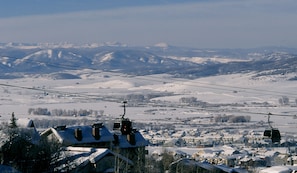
<point>13,121</point>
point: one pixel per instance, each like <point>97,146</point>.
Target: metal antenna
<point>269,120</point>
<point>124,109</point>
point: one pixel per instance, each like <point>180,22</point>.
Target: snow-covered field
<point>234,94</point>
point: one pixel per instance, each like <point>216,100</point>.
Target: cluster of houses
<point>95,148</point>
<point>239,159</point>
<point>251,151</point>
<point>202,137</point>
<point>90,148</point>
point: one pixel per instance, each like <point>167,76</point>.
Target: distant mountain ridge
<point>18,59</point>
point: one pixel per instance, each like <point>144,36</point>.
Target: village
<point>148,86</point>
<point>168,126</point>
<point>175,147</point>
<point>159,132</point>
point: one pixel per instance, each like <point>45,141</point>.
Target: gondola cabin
<point>273,134</point>
<point>267,133</point>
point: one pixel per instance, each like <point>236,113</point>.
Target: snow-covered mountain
<point>19,59</point>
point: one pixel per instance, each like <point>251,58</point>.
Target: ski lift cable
<point>95,97</point>
<point>224,110</point>
<point>54,91</point>
<point>221,87</point>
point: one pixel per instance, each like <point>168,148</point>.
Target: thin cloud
<point>220,24</point>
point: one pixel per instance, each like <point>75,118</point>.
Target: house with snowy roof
<point>27,127</point>
<point>279,169</point>
<point>85,160</point>
<point>192,166</point>
<point>124,140</point>
<point>96,135</point>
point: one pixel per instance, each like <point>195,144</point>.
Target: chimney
<point>131,138</point>
<point>96,130</point>
<point>116,126</point>
<point>78,134</point>
<point>126,127</point>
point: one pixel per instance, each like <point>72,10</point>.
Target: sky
<point>187,23</point>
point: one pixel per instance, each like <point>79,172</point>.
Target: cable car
<point>272,133</point>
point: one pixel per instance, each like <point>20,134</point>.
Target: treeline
<point>62,112</point>
<point>136,99</point>
<point>46,123</point>
<point>286,101</point>
<point>232,119</point>
<point>192,101</point>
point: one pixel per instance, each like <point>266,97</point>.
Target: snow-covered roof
<point>292,158</point>
<point>25,123</point>
<point>204,165</point>
<point>228,150</point>
<point>95,157</point>
<point>139,141</point>
<point>228,169</point>
<point>207,166</point>
<point>67,137</point>
<point>25,127</point>
<point>277,169</point>
<point>78,157</point>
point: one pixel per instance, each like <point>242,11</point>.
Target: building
<point>280,169</point>
<point>123,141</point>
<point>96,135</point>
<point>85,160</point>
<point>130,143</point>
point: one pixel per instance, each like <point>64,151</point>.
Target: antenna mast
<point>124,109</point>
<point>269,120</point>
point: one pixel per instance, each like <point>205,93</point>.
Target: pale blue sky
<point>200,23</point>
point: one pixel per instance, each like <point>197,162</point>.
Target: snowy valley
<point>196,104</point>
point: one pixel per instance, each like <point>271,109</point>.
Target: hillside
<point>18,60</point>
